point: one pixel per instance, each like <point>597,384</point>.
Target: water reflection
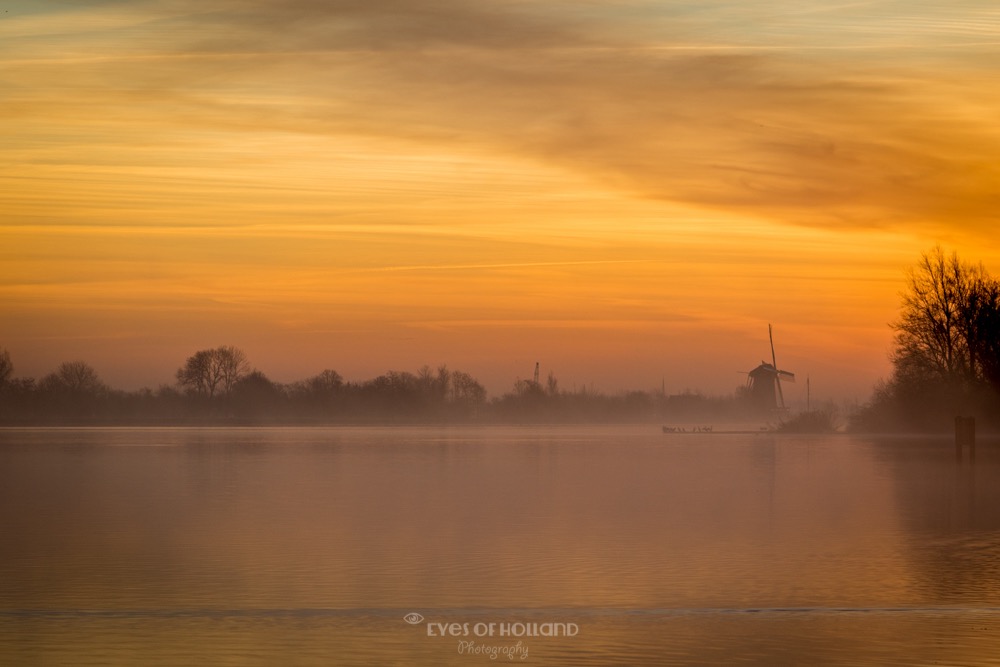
<point>950,508</point>
<point>252,544</point>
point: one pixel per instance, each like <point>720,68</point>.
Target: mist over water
<point>174,546</point>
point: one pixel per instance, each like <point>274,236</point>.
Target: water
<point>309,546</point>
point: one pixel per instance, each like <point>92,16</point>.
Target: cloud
<point>387,25</point>
<point>714,104</point>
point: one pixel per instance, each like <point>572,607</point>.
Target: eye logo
<point>413,618</point>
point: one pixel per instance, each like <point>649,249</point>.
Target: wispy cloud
<point>719,104</point>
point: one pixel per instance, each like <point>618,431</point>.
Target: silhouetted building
<point>761,385</point>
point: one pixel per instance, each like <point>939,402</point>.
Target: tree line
<point>220,386</point>
<point>945,363</point>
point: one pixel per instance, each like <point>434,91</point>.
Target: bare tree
<point>935,339</point>
<point>946,358</point>
<point>215,371</point>
<point>327,382</point>
<point>552,384</point>
<point>319,391</point>
<point>75,377</point>
<point>981,329</point>
<point>233,366</point>
<point>466,390</point>
<point>197,376</point>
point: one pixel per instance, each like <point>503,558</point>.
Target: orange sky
<point>627,192</point>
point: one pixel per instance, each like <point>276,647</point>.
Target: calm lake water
<point>549,546</point>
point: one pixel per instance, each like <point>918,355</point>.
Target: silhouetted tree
<point>75,378</point>
<point>466,391</point>
<point>325,384</point>
<point>73,393</point>
<point>317,397</point>
<point>552,384</point>
<point>256,398</point>
<point>946,356</point>
<point>935,335</point>
<point>527,402</point>
<point>528,389</point>
<point>6,368</point>
<point>20,402</point>
<point>981,318</point>
<point>212,372</point>
<point>7,396</point>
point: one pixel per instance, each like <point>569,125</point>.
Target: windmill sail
<point>774,364</point>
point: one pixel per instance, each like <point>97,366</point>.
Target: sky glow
<point>626,192</point>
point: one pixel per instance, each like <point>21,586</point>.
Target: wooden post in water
<point>965,434</point>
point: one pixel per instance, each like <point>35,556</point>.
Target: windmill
<point>764,382</point>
